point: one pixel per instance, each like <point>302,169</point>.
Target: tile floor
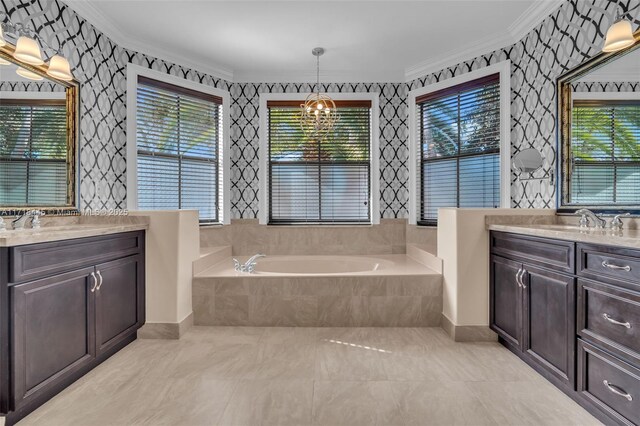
<point>305,376</point>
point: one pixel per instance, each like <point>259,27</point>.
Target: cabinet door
<point>119,300</point>
<point>549,321</point>
<point>506,300</point>
<point>53,333</point>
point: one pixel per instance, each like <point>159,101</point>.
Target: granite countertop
<point>67,231</point>
<point>625,238</point>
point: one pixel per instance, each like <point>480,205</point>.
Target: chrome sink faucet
<point>249,266</point>
<point>616,223</point>
<point>20,221</point>
<point>587,216</point>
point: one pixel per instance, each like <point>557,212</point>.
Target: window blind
<point>33,152</point>
<point>460,147</point>
<point>605,152</point>
<point>179,134</point>
<point>325,181</point>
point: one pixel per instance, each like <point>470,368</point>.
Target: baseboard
<point>185,324</point>
<point>165,330</point>
<point>468,333</point>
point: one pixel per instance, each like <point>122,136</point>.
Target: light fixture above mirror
<point>39,125</point>
<point>28,49</point>
<point>619,35</point>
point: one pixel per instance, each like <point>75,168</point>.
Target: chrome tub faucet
<point>249,266</point>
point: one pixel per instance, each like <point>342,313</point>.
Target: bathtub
<point>319,265</point>
<point>320,291</point>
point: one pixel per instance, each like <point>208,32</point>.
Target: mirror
<point>599,138</point>
<point>527,161</point>
<point>38,137</point>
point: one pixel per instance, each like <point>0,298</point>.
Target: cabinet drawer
<point>610,384</point>
<point>612,263</point>
<point>611,315</point>
<point>41,260</point>
<point>539,251</point>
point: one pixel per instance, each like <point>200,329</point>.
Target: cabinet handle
<point>99,276</point>
<point>616,267</point>
<point>521,276</point>
<point>518,277</point>
<point>612,321</point>
<point>95,282</point>
<point>617,390</point>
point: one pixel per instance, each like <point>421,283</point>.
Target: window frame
<point>263,154</point>
<point>133,71</point>
<point>504,70</point>
<point>564,207</point>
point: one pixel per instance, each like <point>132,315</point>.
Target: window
<point>33,152</point>
<point>178,143</point>
<point>459,147</point>
<point>605,152</point>
<point>326,181</point>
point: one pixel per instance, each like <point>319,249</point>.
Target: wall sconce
<point>619,36</point>
<point>620,33</point>
<point>28,50</point>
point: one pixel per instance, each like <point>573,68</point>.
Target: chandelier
<point>319,115</point>
<point>27,50</point>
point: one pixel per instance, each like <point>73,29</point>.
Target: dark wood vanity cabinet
<point>549,333</point>
<point>572,312</point>
<point>53,335</point>
<point>119,307</point>
<point>72,315</point>
<point>506,297</point>
<point>529,304</point>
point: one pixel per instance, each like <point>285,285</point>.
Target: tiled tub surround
<point>247,237</point>
<point>404,293</point>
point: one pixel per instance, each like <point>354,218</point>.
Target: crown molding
<point>532,17</point>
<point>91,14</point>
<point>528,20</point>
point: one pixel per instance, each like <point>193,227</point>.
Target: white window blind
<point>325,181</point>
<point>605,153</point>
<point>179,137</point>
<point>459,147</point>
<point>33,152</point>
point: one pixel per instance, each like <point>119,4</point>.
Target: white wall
<point>173,243</point>
<point>463,246</point>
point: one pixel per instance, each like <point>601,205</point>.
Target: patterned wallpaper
<point>568,37</point>
<point>31,86</point>
<point>100,66</point>
<point>393,142</point>
<point>607,86</point>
